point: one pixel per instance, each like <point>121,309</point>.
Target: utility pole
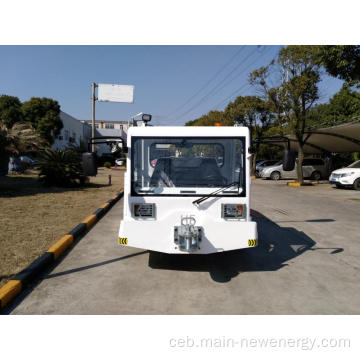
<point>93,99</point>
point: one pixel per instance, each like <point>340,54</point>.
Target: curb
<point>15,285</point>
<point>293,184</point>
<point>298,184</point>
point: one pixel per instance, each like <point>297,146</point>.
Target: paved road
<point>308,262</point>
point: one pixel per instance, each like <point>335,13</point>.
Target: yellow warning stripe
<point>252,242</point>
<point>90,220</point>
<point>293,184</point>
<point>60,246</point>
<point>105,206</point>
<point>9,291</point>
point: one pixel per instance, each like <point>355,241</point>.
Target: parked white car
<point>347,177</point>
<point>312,168</point>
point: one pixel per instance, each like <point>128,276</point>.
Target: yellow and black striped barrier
<point>14,286</point>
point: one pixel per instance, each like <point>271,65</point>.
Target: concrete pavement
<point>308,262</point>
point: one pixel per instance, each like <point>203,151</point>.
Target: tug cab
<point>187,190</point>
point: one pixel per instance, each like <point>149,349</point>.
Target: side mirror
<point>89,164</point>
<point>289,160</point>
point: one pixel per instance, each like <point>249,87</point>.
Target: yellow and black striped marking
<point>123,241</point>
<point>252,242</point>
<point>14,286</point>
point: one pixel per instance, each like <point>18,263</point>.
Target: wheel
<point>357,184</point>
<point>338,186</point>
<point>275,175</point>
<point>316,175</point>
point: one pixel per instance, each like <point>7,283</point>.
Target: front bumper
<point>344,181</point>
<point>216,236</point>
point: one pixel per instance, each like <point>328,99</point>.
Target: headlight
<point>347,174</point>
<point>144,210</point>
<point>232,211</point>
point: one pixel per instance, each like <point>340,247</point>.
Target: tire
<point>316,175</point>
<point>357,184</point>
<point>275,175</point>
<point>338,186</point>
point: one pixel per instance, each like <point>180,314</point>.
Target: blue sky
<point>174,83</point>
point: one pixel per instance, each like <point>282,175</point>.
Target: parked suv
<point>347,177</point>
<point>312,168</point>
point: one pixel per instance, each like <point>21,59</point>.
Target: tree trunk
<point>253,164</point>
<point>300,177</point>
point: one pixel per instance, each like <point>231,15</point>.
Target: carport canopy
<point>335,139</point>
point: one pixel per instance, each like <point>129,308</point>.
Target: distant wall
<point>73,132</point>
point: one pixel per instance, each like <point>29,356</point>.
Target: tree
<point>43,114</point>
<point>341,61</point>
<point>296,94</point>
<point>254,113</point>
<point>210,119</point>
<point>22,138</point>
<point>342,107</point>
<point>16,136</point>
<point>10,110</point>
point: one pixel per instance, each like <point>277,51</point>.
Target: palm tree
<point>21,138</point>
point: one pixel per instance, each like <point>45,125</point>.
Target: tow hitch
<point>187,236</point>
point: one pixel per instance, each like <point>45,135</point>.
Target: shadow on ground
<point>277,245</point>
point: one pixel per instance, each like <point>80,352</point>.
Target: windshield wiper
<point>203,198</point>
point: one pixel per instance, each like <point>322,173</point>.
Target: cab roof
<point>176,131</point>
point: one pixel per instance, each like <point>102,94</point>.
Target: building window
<point>66,133</point>
<point>121,127</point>
<point>109,126</point>
<point>60,137</point>
<point>96,126</point>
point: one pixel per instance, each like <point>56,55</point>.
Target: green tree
<point>16,136</point>
<point>211,119</point>
<point>10,110</point>
<point>44,115</point>
<point>342,107</point>
<point>294,96</point>
<point>341,61</point>
<point>254,113</point>
<point>21,139</point>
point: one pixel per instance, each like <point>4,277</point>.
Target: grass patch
<point>33,217</point>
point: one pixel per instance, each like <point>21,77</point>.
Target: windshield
<point>187,166</point>
<point>355,165</point>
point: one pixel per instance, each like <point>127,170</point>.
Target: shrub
<point>61,168</point>
<point>107,164</point>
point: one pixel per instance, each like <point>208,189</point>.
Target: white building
<point>74,133</point>
<point>111,125</point>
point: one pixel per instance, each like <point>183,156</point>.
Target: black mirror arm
<point>96,141</point>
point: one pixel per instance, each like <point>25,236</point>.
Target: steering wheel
<point>215,177</point>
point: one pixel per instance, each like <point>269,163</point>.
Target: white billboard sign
<point>116,93</point>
